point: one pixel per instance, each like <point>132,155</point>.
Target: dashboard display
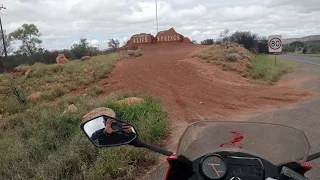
<point>213,167</point>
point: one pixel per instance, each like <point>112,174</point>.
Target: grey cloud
<point>299,6</point>
<point>275,3</point>
<point>30,1</point>
<point>62,22</point>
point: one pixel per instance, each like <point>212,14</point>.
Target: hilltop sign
<point>275,43</point>
<point>168,36</point>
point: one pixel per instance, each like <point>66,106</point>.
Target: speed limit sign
<point>275,43</point>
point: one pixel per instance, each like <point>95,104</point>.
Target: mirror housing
<point>106,131</point>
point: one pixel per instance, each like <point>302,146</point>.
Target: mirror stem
<point>313,156</point>
<point>138,143</point>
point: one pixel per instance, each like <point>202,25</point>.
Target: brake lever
<point>289,173</point>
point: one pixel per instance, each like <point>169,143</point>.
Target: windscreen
<point>277,144</point>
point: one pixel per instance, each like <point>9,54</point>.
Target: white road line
<point>308,62</point>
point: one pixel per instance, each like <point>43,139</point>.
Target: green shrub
<point>70,86</point>
<point>226,67</point>
<point>10,104</point>
<point>95,91</point>
<point>12,96</point>
<point>245,75</point>
<point>263,67</point>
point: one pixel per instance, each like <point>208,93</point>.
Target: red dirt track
<point>191,90</point>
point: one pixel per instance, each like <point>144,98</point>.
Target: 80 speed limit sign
<point>275,43</point>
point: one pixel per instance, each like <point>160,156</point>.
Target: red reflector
<point>173,157</point>
<point>307,166</point>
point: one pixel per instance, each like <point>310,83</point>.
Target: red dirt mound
<point>192,90</point>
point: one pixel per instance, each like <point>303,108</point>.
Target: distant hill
<point>303,39</point>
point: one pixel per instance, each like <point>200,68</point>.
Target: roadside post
<point>275,45</point>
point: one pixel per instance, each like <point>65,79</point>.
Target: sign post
<point>275,45</point>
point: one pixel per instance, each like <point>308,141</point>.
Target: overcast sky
<point>64,22</point>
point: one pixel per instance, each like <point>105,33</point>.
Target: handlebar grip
<point>289,173</point>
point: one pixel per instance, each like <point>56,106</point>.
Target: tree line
<point>310,47</point>
<point>259,44</point>
<point>249,40</point>
<point>31,51</point>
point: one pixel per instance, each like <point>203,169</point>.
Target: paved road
<point>304,116</point>
<point>306,59</point>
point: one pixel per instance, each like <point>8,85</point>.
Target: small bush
<point>53,93</point>
<point>95,91</point>
<point>245,75</point>
<point>11,105</point>
<point>245,38</point>
<point>70,86</point>
<point>137,53</point>
<point>234,57</point>
<point>227,67</point>
<point>36,74</point>
<point>207,42</point>
<point>224,67</point>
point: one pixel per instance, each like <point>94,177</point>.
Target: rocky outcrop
<point>99,112</point>
<point>61,59</point>
<point>86,58</point>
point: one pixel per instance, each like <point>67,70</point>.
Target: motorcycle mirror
<point>105,131</point>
